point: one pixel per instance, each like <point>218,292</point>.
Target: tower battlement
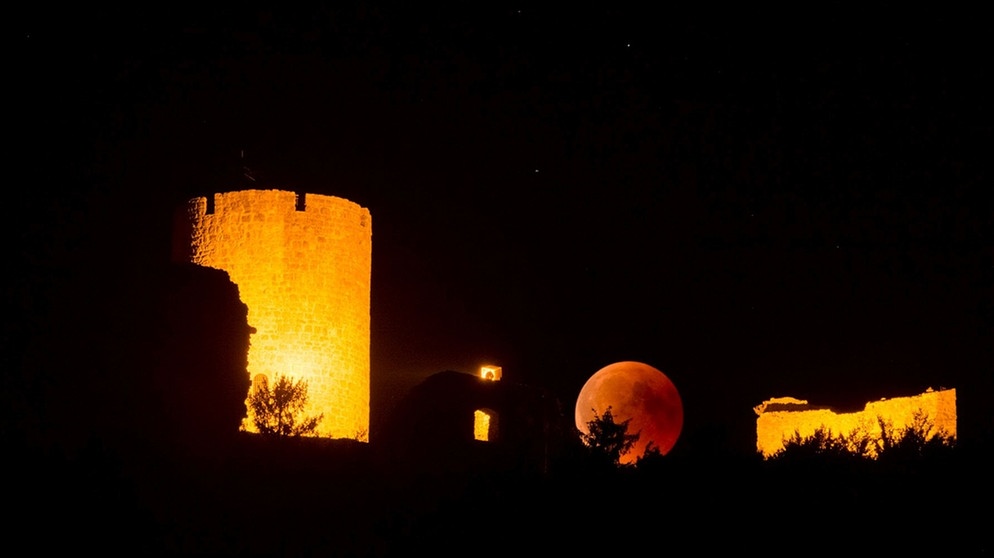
<point>302,263</point>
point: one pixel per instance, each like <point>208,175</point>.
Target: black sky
<point>759,203</point>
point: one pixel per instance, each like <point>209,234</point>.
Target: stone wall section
<point>305,276</point>
<point>780,418</point>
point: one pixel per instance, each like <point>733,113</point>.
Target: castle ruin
<point>781,418</point>
<point>302,265</point>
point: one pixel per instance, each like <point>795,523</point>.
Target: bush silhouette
<point>915,441</point>
<point>279,411</point>
<point>606,439</point>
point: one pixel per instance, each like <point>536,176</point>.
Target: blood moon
<point>638,392</point>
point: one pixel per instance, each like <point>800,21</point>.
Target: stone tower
<point>302,265</point>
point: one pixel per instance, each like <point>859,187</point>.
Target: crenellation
<point>307,299</point>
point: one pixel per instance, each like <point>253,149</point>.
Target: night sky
<point>758,203</point>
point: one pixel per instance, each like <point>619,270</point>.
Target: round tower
<point>302,265</point>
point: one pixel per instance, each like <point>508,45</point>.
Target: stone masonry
<point>302,265</point>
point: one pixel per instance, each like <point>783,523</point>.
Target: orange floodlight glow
<point>481,425</point>
<point>780,418</point>
<point>302,265</point>
<point>492,373</point>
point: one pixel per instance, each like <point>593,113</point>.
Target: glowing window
<point>492,373</point>
<point>484,425</point>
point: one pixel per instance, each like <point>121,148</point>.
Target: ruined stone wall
<point>780,418</point>
<point>304,272</point>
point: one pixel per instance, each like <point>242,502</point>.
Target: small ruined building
<point>464,419</point>
<point>780,418</point>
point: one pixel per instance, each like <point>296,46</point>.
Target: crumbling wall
<point>780,417</point>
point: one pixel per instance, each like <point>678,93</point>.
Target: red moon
<point>638,392</point>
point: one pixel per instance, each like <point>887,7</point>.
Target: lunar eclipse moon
<point>636,392</point>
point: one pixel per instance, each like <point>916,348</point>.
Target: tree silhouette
<point>608,440</point>
<point>824,446</point>
<point>919,439</point>
<point>279,411</point>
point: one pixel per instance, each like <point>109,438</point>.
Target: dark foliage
<point>279,411</point>
<point>608,440</point>
<point>918,440</point>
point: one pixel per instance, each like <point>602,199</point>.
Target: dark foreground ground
<point>348,499</point>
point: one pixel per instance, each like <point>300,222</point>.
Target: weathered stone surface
<point>305,276</point>
<point>780,417</point>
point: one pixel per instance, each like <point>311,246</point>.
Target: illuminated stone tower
<point>302,265</point>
